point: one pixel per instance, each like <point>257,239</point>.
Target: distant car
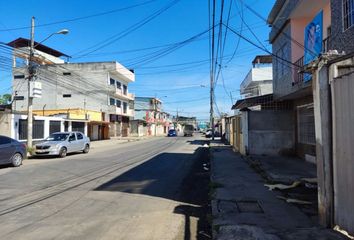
<point>61,143</point>
<point>172,133</point>
<point>11,151</point>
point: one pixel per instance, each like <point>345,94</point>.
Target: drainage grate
<point>249,207</point>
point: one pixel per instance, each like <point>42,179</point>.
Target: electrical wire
<point>125,32</point>
<point>81,18</point>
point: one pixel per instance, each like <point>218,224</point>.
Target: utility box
<point>35,89</point>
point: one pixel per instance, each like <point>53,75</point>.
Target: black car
<point>11,151</point>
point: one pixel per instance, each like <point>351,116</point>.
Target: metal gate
<point>342,89</point>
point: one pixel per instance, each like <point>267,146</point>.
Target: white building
<point>94,92</point>
<point>259,80</point>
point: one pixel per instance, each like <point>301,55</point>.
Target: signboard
<point>313,41</point>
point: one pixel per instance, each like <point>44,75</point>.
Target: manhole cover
<point>249,207</point>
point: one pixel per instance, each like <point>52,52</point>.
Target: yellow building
<point>90,122</point>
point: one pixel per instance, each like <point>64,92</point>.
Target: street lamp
<point>31,75</point>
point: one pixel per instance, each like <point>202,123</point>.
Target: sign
<point>313,41</point>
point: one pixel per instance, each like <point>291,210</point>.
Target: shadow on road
<point>175,176</point>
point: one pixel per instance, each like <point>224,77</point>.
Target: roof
<point>253,101</point>
<point>275,11</point>
<point>24,42</point>
<point>262,59</point>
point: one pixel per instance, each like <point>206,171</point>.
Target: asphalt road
<point>124,191</point>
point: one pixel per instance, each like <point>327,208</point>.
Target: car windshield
<point>58,137</point>
<point>172,131</point>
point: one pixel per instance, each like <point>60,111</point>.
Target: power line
<point>81,18</point>
<point>127,31</point>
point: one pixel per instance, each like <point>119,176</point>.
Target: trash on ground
<point>293,200</point>
<point>309,180</point>
<point>280,186</point>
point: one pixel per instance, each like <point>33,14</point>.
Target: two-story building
<point>92,96</point>
<point>149,110</point>
<point>291,22</point>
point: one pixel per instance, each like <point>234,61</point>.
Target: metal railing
<point>298,75</point>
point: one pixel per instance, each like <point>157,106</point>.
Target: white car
<point>61,143</point>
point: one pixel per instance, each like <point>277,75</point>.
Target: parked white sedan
<point>61,143</point>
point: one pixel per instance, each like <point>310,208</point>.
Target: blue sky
<point>180,78</point>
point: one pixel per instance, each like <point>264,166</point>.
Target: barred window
<point>348,14</point>
<point>306,125</point>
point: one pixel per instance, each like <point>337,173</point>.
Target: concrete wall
<point>270,132</point>
<point>6,124</point>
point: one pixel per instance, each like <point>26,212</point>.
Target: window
<point>125,107</point>
<point>118,103</point>
<point>125,89</point>
<point>54,126</point>
<point>119,85</point>
<point>79,136</point>
<point>72,137</point>
<point>4,140</point>
<point>19,76</point>
<point>112,81</point>
<point>112,101</point>
<point>348,14</point>
<point>66,73</point>
<point>66,95</point>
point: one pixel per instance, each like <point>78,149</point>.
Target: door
<point>80,141</point>
<point>7,149</point>
<point>73,145</point>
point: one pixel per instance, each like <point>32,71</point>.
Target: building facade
<point>95,92</point>
<point>288,21</point>
<point>149,110</point>
<point>259,80</point>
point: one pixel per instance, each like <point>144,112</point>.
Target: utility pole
<point>31,73</point>
<point>212,75</point>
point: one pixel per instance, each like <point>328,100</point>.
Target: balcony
<point>120,111</point>
<point>119,93</point>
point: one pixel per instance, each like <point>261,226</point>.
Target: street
<point>125,191</point>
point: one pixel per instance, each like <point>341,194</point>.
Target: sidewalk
<point>243,208</point>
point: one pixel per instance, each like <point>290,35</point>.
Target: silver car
<point>61,143</point>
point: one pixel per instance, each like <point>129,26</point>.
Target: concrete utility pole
<point>31,73</point>
<point>212,76</point>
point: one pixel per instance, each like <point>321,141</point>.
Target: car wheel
<point>63,151</point>
<point>86,149</point>
<point>16,160</point>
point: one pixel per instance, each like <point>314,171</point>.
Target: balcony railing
<point>298,75</point>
